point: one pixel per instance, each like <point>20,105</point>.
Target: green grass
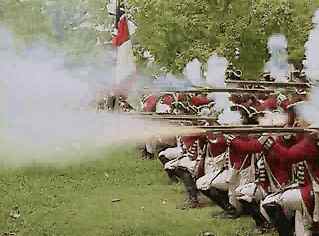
<point>77,200</point>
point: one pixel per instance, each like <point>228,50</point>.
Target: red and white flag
<point>125,64</point>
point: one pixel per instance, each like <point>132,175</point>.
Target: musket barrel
<point>157,116</point>
<point>268,83</point>
<point>254,130</point>
<point>220,90</point>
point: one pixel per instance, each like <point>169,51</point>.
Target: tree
<point>177,31</point>
<point>78,27</point>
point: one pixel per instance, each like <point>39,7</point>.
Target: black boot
<point>170,173</point>
<point>220,198</point>
<point>252,208</point>
<point>163,160</point>
<point>190,186</point>
<point>279,219</point>
<point>172,176</point>
<point>230,213</point>
<point>142,152</point>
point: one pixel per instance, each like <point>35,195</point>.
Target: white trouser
<point>236,179</point>
<point>291,199</point>
<point>220,180</point>
<point>249,192</point>
<point>216,179</point>
<point>172,153</point>
<point>184,162</point>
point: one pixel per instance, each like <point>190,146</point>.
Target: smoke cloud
<point>310,109</point>
<point>278,63</point>
<point>216,71</point>
<point>312,51</point>
<point>46,115</point>
<point>192,72</point>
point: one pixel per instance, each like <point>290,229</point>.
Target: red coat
<point>216,144</point>
<point>191,144</point>
<point>239,148</point>
<point>167,99</point>
<point>149,104</point>
<point>305,150</point>
<point>281,170</point>
<point>199,100</point>
<point>268,104</point>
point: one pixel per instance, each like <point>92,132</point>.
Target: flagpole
<point>116,98</point>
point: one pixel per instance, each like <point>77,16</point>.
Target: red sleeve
<point>199,100</point>
<point>285,105</point>
<point>248,146</point>
<point>269,104</point>
<point>168,100</point>
<point>218,146</point>
<point>150,104</point>
<point>306,149</point>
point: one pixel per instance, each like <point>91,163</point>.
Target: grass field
<point>77,200</point>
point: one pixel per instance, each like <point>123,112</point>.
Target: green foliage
<point>174,32</point>
<point>77,27</point>
<point>25,19</point>
<point>177,31</point>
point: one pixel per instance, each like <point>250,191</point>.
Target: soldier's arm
<point>306,149</point>
<point>247,146</point>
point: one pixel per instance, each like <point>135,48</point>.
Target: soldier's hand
<point>229,138</point>
<point>263,138</point>
<point>315,134</point>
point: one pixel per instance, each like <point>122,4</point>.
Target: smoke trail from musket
<point>310,109</point>
<point>278,63</point>
<point>45,115</point>
<point>169,82</point>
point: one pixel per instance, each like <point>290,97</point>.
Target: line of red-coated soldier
<point>271,177</point>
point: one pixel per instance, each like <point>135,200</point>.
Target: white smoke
<point>193,73</point>
<point>229,117</point>
<point>170,82</point>
<point>274,118</point>
<point>312,51</point>
<point>223,105</point>
<point>278,63</point>
<point>216,78</point>
<point>45,115</point>
<point>216,71</point>
<point>310,109</point>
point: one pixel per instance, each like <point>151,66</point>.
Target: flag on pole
<point>125,64</point>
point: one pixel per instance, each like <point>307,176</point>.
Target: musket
<point>183,117</point>
<point>158,116</point>
<point>253,130</point>
<point>270,84</point>
<point>222,127</point>
<point>219,90</point>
